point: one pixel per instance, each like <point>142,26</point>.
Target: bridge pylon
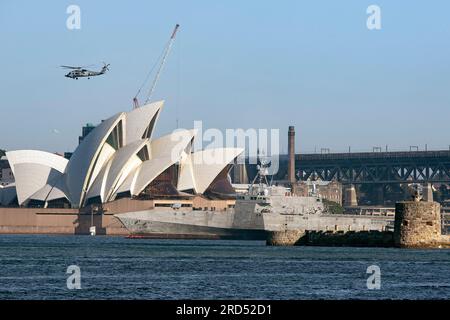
<point>350,199</point>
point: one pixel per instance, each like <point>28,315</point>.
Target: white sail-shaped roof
<point>86,160</point>
<point>150,170</point>
<point>105,154</point>
<point>165,152</point>
<point>97,189</point>
<point>48,159</point>
<point>51,191</point>
<point>34,169</point>
<point>117,156</point>
<point>186,180</point>
<point>130,181</point>
<point>172,144</point>
<point>141,121</point>
<point>123,162</point>
<point>200,168</point>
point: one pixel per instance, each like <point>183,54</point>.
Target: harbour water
<point>34,267</point>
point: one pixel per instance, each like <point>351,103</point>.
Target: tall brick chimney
<point>291,154</point>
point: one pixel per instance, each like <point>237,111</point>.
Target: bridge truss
<point>376,167</point>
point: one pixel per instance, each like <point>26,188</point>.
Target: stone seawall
<point>349,239</point>
<point>331,238</point>
<point>285,238</point>
<point>417,225</point>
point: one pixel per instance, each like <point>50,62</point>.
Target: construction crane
<point>160,68</point>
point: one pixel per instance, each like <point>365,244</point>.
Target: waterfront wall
<point>68,221</point>
<point>78,221</point>
<point>56,221</point>
<point>417,225</point>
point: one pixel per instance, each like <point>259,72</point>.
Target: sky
<point>235,64</point>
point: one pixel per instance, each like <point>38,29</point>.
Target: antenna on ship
<point>261,175</point>
<point>164,56</point>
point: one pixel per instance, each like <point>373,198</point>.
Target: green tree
<point>333,207</point>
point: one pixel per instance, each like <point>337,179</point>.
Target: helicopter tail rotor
<point>105,66</point>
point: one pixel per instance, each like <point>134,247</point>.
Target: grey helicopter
<point>81,72</point>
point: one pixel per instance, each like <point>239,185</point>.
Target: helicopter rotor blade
<point>70,67</point>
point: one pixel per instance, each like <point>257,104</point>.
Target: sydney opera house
<point>121,159</point>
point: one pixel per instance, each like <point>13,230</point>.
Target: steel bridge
<point>376,167</point>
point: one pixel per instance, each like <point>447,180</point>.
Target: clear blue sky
<point>248,64</point>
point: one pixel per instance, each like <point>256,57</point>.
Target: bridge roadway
<point>376,167</point>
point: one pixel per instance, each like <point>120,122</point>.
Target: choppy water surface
<point>34,267</point>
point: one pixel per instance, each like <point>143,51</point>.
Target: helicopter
<point>81,72</point>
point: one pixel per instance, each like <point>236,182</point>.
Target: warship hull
<point>162,230</point>
<point>191,224</point>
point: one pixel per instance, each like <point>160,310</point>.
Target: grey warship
<point>262,209</point>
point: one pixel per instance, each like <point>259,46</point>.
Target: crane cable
<point>151,71</point>
<point>163,57</point>
<point>169,46</point>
